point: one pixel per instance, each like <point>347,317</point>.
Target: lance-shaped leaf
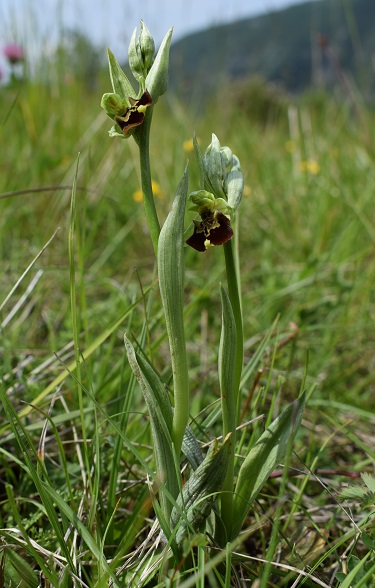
<point>157,78</point>
<point>191,448</point>
<point>171,284</point>
<point>161,414</point>
<point>119,80</point>
<point>195,502</point>
<point>265,455</point>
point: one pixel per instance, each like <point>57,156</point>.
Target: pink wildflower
<point>14,53</point>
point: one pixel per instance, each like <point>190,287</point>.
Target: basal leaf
<point>265,455</point>
<point>194,503</point>
<point>160,411</point>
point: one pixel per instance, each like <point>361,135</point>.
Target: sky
<point>110,23</point>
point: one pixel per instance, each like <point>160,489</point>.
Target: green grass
<point>75,451</point>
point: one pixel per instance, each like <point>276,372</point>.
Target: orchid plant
<point>220,490</point>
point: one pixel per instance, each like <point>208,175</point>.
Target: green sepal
<point>161,415</point>
<point>157,78</point>
<point>113,132</point>
<point>120,83</point>
<point>113,104</point>
<point>194,503</point>
<point>262,459</point>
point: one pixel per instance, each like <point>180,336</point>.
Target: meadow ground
<point>72,495</point>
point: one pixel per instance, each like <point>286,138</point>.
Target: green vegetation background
<point>306,239</point>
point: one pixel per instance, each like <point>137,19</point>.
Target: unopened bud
<point>141,53</point>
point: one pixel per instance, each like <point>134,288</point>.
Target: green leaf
<point>120,82</point>
<point>369,481</point>
<point>357,573</point>
<point>194,503</point>
<point>161,415</point>
<point>191,448</point>
<point>171,284</point>
<point>368,540</point>
<point>17,571</point>
<point>353,492</point>
<point>266,454</point>
<point>157,78</point>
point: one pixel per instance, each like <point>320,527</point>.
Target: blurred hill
<point>321,43</point>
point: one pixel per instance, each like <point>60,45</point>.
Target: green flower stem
<point>233,411</point>
<point>234,297</point>
<point>143,140</point>
<point>227,368</point>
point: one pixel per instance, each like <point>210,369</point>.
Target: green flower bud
<point>234,184</point>
<point>222,174</point>
<point>147,46</point>
<point>141,53</point>
<point>215,168</point>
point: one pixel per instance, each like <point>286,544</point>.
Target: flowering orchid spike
<point>125,106</point>
<point>223,180</point>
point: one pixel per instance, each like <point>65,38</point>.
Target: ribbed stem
<point>232,412</point>
<point>234,297</point>
<point>143,141</point>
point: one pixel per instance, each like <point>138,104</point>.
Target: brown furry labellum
<point>135,114</point>
<point>213,229</point>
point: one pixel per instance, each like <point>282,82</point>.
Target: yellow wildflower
<point>156,188</point>
<point>247,190</point>
<point>311,166</point>
<point>138,196</point>
<point>188,145</point>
